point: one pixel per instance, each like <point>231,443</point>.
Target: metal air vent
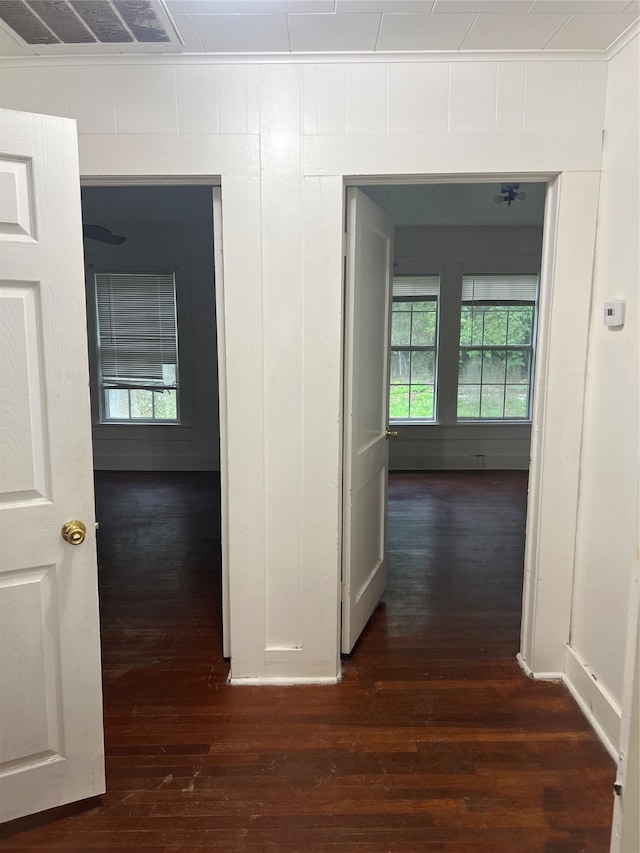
<point>48,23</point>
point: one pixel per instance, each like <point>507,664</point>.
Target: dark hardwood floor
<point>433,741</point>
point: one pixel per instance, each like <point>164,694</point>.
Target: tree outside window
<point>497,326</point>
<point>414,334</point>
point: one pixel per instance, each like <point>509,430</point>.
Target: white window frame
<point>130,384</point>
<point>516,290</point>
<point>418,289</point>
<point>142,429</point>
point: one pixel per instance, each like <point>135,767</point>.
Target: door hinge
<point>345,238</point>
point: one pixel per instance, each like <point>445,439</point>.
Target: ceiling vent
<point>48,23</point>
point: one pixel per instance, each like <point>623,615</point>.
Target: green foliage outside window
<point>495,361</point>
<point>413,359</point>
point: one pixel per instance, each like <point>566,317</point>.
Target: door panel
<point>51,749</point>
<point>369,278</point>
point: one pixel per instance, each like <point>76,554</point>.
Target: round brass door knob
<point>74,532</point>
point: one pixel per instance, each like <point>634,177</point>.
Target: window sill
<point>143,431</point>
<point>134,422</point>
<point>492,422</point>
<point>460,423</point>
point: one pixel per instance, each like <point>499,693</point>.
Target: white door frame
<point>214,183</point>
<point>565,303</point>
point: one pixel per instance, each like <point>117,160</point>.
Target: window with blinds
<point>500,288</point>
<point>497,332</point>
<point>414,336</point>
<point>137,346</point>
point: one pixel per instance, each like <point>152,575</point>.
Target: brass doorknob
<point>74,532</point>
<point>391,433</point>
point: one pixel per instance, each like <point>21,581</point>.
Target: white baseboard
<point>601,712</point>
<point>538,676</point>
<point>102,462</point>
<point>459,463</point>
<point>286,666</point>
<point>596,704</point>
<point>281,682</point>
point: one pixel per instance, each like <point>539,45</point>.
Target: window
<point>497,330</point>
<point>137,347</point>
<point>414,327</point>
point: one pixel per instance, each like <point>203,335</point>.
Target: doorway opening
<point>459,310</point>
<point>154,289</point>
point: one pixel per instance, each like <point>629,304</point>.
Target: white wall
<point>282,136</point>
<point>178,238</point>
<point>606,561</point>
<point>452,252</point>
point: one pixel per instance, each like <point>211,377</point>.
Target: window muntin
<point>137,347</point>
<point>497,330</point>
<point>414,336</point>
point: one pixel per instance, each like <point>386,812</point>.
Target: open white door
<point>51,746</point>
<point>369,278</point>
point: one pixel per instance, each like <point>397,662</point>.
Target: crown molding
<point>622,41</point>
<point>150,181</point>
<point>303,58</point>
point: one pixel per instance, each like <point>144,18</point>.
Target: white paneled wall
<point>369,97</point>
<point>605,600</point>
<point>431,82</point>
<point>282,136</point>
<point>560,111</point>
<point>195,113</point>
<point>145,99</point>
<point>473,99</point>
<point>281,168</point>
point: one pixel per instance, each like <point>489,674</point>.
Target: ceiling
<point>458,204</point>
<point>89,27</point>
<point>119,208</point>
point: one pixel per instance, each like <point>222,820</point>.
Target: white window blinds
<point>416,287</point>
<point>499,288</point>
<point>137,331</point>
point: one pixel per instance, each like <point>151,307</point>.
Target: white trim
<point>532,536</point>
<point>108,462</point>
<point>624,834</point>
<point>449,178</point>
<point>622,41</point>
<point>506,152</point>
<point>150,181</point>
<point>281,682</point>
<point>223,430</point>
<point>558,425</point>
<point>301,58</point>
<point>537,676</point>
<point>595,725</point>
<point>594,695</point>
<point>598,706</point>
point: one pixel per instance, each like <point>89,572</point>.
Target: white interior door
<point>51,746</point>
<point>369,277</point>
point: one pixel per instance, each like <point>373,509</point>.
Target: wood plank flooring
<point>433,741</point>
